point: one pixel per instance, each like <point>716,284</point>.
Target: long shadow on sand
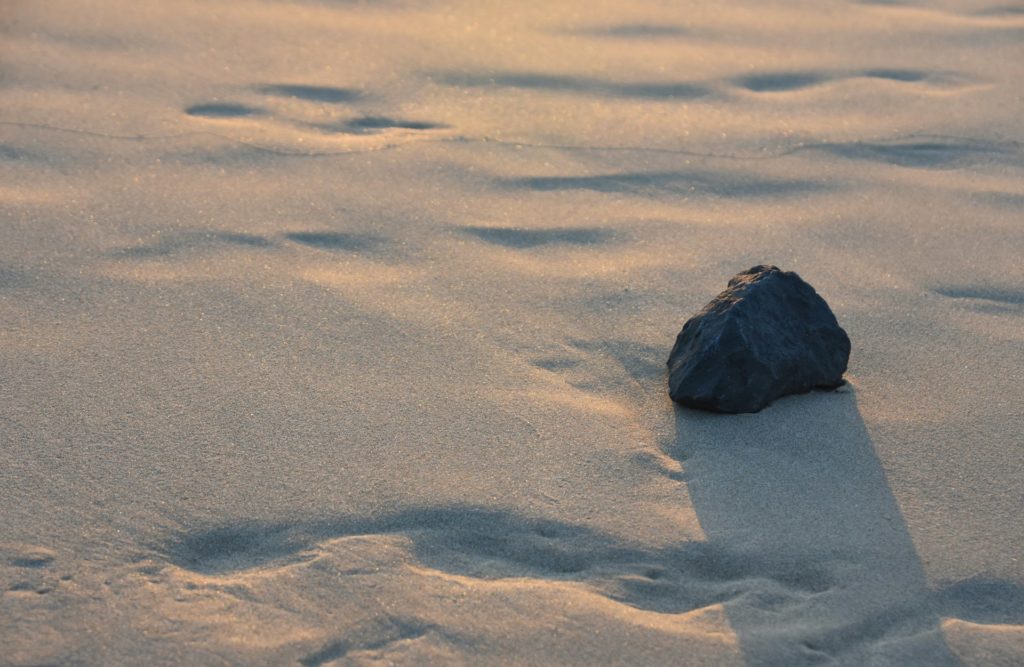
<point>800,482</point>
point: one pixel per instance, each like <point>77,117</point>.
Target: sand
<point>334,332</point>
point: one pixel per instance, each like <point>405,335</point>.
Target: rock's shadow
<point>804,544</point>
<point>800,482</point>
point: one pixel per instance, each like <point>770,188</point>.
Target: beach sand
<point>334,332</point>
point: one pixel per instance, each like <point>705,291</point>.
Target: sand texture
<point>333,332</point>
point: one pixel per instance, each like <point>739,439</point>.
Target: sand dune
<point>334,332</point>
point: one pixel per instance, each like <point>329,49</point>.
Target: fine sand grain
<point>333,332</point>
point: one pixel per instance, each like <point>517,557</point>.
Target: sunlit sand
<point>334,332</point>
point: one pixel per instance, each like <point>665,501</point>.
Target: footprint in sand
<point>307,112</point>
<point>933,153</point>
<point>27,570</point>
<point>516,237</point>
<point>377,125</point>
<point>985,299</point>
<point>325,94</point>
<point>26,556</point>
<point>223,110</point>
<point>194,241</point>
<point>345,241</point>
<point>780,81</point>
<point>638,31</point>
<point>184,244</point>
<point>788,81</point>
<point>982,599</point>
<point>577,85</point>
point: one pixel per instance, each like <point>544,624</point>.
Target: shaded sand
<point>334,332</point>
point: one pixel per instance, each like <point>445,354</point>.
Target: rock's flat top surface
<point>767,335</point>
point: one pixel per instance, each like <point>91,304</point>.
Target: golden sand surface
<point>334,332</point>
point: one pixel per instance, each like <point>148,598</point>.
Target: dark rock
<point>767,335</point>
